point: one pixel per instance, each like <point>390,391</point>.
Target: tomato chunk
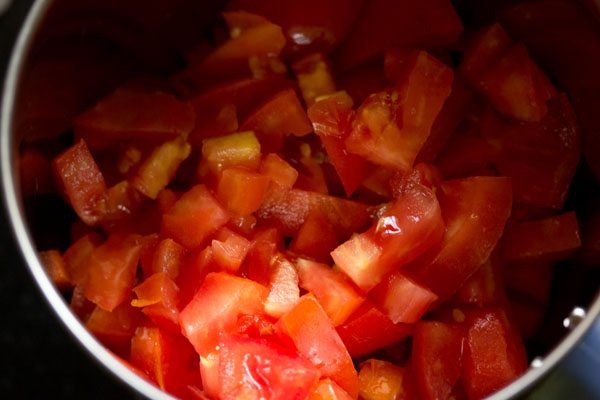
<point>475,210</point>
<point>82,182</point>
<point>195,216</point>
<point>313,334</point>
<point>550,239</point>
<point>329,390</point>
<point>279,171</point>
<point>56,268</point>
<point>216,306</point>
<point>111,270</point>
<point>314,76</point>
<point>436,358</point>
<point>284,292</point>
<point>381,380</point>
<point>368,329</point>
<point>392,126</point>
<point>158,296</point>
<point>242,191</point>
<point>114,328</point>
<point>253,369</point>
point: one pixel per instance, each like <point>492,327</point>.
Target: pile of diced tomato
<point>330,202</point>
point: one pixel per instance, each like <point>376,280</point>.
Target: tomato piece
<point>329,390</point>
<point>391,126</point>
<point>399,23</point>
<point>81,181</point>
<point>494,354</point>
<point>484,52</point>
<point>278,170</point>
<point>283,287</point>
<point>279,116</point>
<point>218,123</point>
<point>551,239</point>
<point>232,59</point>
<point>229,250</point>
<point>114,328</point>
<point>516,87</point>
<point>254,368</point>
<point>194,217</point>
<point>475,210</point>
<point>56,268</point>
<point>336,294</point>
<point>168,257</point>
<point>332,121</point>
<point>542,158</point>
<point>265,246</point>
<point>380,380</point>
<point>316,238</point>
<point>368,329</point>
<point>209,372</point>
<point>195,267</point>
<point>155,173</point>
<point>485,287</point>
<point>158,297</point>
<point>77,255</point>
<point>422,175</point>
<point>242,191</point>
<point>313,334</point>
<point>401,299</point>
<point>527,315</point>
<point>288,209</point>
<point>407,229</point>
<point>466,156</point>
<point>111,270</point>
<point>308,24</point>
<point>314,76</point>
<point>35,173</point>
<point>311,177</point>
<point>533,280</point>
<point>236,150</point>
<point>131,115</point>
<point>448,120</point>
<point>216,306</point>
<point>436,358</point>
<point>167,359</point>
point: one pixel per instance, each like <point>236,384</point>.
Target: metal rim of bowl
<point>74,326</point>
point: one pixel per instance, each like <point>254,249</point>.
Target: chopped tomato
<point>114,328</point>
<point>279,116</point>
<point>279,171</point>
<point>82,182</point>
<point>195,216</point>
<point>329,390</point>
<point>265,245</point>
<point>229,250</point>
<point>494,354</point>
<point>402,300</point>
<point>380,380</point>
<point>195,267</point>
<point>236,150</point>
<point>475,211</point>
<point>314,76</point>
<point>486,286</point>
<point>158,297</point>
<point>313,334</point>
<point>216,307</point>
<point>168,257</point>
<point>436,358</point>
<point>76,257</point>
<point>532,280</point>
<point>336,294</point>
<point>391,126</point>
<point>131,115</point>
<point>111,271</point>
<point>284,292</point>
<point>551,239</point>
<point>316,238</point>
<point>368,329</point>
<point>56,268</point>
<point>242,191</point>
<point>254,368</point>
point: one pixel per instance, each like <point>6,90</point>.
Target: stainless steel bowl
<point>47,21</point>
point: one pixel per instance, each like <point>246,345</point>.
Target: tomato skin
<point>381,380</point>
<point>314,336</point>
<point>130,115</point>
<point>81,181</point>
<point>336,294</point>
<point>254,368</point>
<point>475,210</point>
<point>111,270</point>
<point>195,216</point>
<point>368,329</point>
<point>551,239</point>
<point>392,126</point>
<point>494,353</point>
<point>436,358</point>
<point>402,300</point>
<point>485,287</point>
<point>216,306</point>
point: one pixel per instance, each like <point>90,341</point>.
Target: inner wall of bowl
<point>85,49</point>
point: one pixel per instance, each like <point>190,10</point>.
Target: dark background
<point>38,359</point>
